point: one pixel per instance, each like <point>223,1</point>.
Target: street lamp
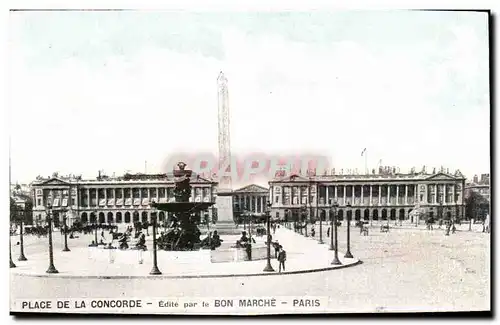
<point>348,252</point>
<point>95,225</point>
<point>269,267</point>
<point>303,217</point>
<point>207,221</point>
<point>20,216</point>
<point>320,226</point>
<point>336,260</point>
<point>10,252</point>
<point>154,270</point>
<point>52,268</point>
<point>333,222</point>
<point>65,219</point>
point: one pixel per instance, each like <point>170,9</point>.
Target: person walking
<point>281,258</point>
<point>328,232</point>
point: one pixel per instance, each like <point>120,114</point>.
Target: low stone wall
<point>132,256</point>
<point>223,255</point>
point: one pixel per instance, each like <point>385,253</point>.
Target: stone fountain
<point>184,233</point>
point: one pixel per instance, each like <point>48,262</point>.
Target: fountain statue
<point>183,233</point>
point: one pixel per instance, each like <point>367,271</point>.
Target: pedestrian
<point>281,258</point>
<point>328,232</point>
<point>313,232</point>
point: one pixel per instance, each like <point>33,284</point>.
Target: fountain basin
<point>227,253</point>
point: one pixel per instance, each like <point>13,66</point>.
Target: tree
<point>476,206</point>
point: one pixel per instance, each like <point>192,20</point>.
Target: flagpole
<point>366,162</point>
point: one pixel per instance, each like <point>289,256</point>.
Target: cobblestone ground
<point>403,270</point>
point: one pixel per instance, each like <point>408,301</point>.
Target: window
<point>72,201</point>
<point>38,202</point>
<point>277,198</point>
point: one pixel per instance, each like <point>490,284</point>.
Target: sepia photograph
<point>168,162</point>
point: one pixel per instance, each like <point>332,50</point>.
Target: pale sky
<point>110,90</point>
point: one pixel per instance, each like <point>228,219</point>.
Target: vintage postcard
<point>249,163</point>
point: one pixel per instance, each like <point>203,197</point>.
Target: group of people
<point>212,240</point>
<point>123,239</point>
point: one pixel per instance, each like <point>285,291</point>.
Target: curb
<point>107,277</point>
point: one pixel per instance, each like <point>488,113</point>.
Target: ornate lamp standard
<point>10,252</point>
<point>65,224</point>
<point>333,222</point>
<point>348,252</point>
<point>269,267</point>
<point>320,226</point>
<point>95,225</point>
<point>207,221</point>
<point>303,219</point>
<point>154,270</point>
<point>52,268</point>
<point>20,215</point>
<point>336,260</point>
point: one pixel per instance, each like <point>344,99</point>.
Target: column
<point>371,194</point>
<point>106,197</point>
<point>326,195</point>
<point>345,194</point>
<point>379,194</point>
<point>388,195</point>
<point>397,194</point>
<point>157,195</point>
<point>444,194</point>
<point>335,195</point>
<point>406,194</point>
<point>123,196</point>
<point>352,197</point>
<point>362,195</point>
<point>88,198</point>
<point>453,195</point>
<point>97,197</point>
<point>436,193</point>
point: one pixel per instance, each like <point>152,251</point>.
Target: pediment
<point>440,176</point>
<point>55,181</point>
<point>252,188</point>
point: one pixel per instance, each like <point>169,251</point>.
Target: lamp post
<point>269,267</point>
<point>65,219</point>
<point>303,217</point>
<point>320,226</point>
<point>95,225</point>
<point>207,221</point>
<point>348,252</point>
<point>154,270</point>
<point>52,268</point>
<point>10,252</point>
<point>21,237</point>
<point>333,222</point>
<point>336,260</point>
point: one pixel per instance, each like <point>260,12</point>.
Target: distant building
<point>377,196</point>
<point>481,186</point>
<point>251,198</point>
<point>123,199</point>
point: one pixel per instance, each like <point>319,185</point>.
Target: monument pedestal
<point>225,220</point>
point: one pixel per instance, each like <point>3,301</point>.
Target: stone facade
<point>251,198</point>
<point>371,196</point>
<point>113,200</point>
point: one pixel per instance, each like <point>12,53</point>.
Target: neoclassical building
<point>251,198</point>
<point>373,196</point>
<point>117,200</point>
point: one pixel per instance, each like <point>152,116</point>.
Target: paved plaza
<point>407,269</point>
<point>303,254</point>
